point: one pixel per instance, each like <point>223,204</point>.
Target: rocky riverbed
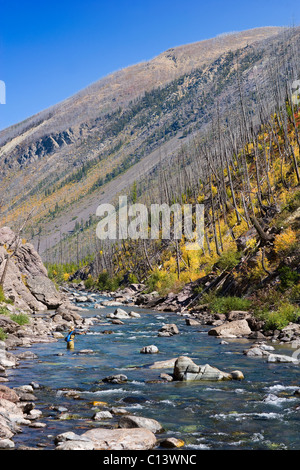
<point>116,424</point>
<point>120,321</point>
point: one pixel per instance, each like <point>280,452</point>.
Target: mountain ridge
<point>130,124</point>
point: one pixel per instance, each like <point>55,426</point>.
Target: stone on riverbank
<point>6,444</point>
<point>121,439</point>
<point>44,290</point>
<point>76,445</point>
<point>192,322</point>
<point>131,421</point>
<point>71,441</point>
<point>26,281</point>
<point>8,394</point>
<point>232,329</point>
<point>172,443</point>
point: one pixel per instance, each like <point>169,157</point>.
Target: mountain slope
<point>81,152</point>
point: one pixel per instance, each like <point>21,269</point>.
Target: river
<point>259,412</point>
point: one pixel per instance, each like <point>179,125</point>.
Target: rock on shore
<point>26,282</point>
<point>121,439</point>
<point>231,329</point>
<point>16,409</point>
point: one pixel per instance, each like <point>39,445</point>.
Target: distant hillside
<point>84,151</point>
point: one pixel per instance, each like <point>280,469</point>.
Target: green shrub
<point>3,335</point>
<point>208,297</point>
<point>282,317</point>
<point>228,260</point>
<point>226,304</point>
<point>3,298</point>
<point>20,318</point>
<point>4,311</point>
<point>294,294</point>
<point>132,279</point>
<point>161,281</point>
<point>89,283</point>
<point>288,277</point>
<point>105,282</point>
<point>266,300</point>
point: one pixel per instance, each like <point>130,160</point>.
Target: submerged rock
<point>116,379</point>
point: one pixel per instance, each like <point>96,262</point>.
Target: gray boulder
<point>44,291</point>
<point>116,379</point>
<point>121,439</point>
<point>149,349</point>
<point>185,369</point>
<point>232,329</point>
<point>25,271</point>
<point>102,415</point>
<point>131,421</point>
<point>282,358</point>
<point>169,330</point>
<point>118,314</point>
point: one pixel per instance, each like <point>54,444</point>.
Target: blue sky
<point>51,50</point>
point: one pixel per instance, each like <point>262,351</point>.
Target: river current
<point>259,412</point>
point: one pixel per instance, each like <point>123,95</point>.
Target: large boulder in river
<point>185,369</point>
<point>232,329</point>
<point>169,330</point>
<point>152,349</point>
<point>118,314</point>
<point>26,281</point>
<point>121,439</point>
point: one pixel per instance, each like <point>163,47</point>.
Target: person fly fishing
<point>70,339</point>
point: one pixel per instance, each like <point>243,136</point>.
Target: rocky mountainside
<point>84,151</point>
